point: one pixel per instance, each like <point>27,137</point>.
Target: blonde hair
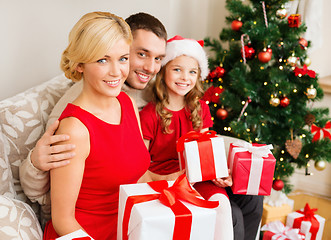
<point>161,99</point>
<point>91,37</point>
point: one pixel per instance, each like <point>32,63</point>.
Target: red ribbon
<point>206,154</point>
<point>79,238</point>
<point>317,131</point>
<point>170,196</point>
<point>309,215</point>
<point>304,71</point>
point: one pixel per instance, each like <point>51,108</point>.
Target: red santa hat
<point>178,46</point>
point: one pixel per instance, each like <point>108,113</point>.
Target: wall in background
<point>34,33</point>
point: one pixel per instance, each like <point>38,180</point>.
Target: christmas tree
<point>260,88</point>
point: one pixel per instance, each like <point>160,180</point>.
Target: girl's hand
<point>223,182</point>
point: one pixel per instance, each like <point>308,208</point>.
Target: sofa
<point>23,118</point>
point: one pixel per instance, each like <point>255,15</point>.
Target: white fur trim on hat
<point>178,46</point>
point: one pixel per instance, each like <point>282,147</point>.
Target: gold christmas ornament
<point>320,165</point>
<point>307,61</point>
<point>281,13</point>
<point>274,101</point>
<point>292,61</point>
<point>311,92</point>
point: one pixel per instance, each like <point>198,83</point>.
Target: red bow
<point>170,196</point>
<point>177,37</point>
<point>317,131</point>
<point>194,136</point>
<point>309,215</point>
<point>304,71</point>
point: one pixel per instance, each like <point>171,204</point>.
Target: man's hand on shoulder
<point>45,156</point>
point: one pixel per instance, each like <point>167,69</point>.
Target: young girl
<point>103,123</point>
<point>176,110</point>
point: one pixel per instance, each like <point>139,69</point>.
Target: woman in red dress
<point>103,123</point>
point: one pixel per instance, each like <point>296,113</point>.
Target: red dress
<point>162,147</point>
<point>117,156</point>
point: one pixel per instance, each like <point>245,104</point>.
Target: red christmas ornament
<point>303,43</point>
<point>212,94</point>
<point>265,55</point>
<point>249,51</point>
<point>284,102</point>
<point>212,75</point>
<point>278,185</point>
<point>221,113</point>
<point>294,20</point>
<point>236,25</point>
<point>219,71</point>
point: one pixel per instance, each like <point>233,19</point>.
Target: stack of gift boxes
<point>301,224</point>
<point>174,210</point>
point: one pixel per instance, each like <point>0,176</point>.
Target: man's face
<point>146,53</point>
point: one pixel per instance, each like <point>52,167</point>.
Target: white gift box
<point>76,234</point>
<point>152,220</point>
<point>210,151</point>
<point>306,225</point>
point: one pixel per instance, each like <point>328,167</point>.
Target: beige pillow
<point>23,118</point>
<point>6,178</point>
<point>18,221</point>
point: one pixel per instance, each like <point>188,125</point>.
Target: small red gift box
<point>294,20</point>
<point>202,155</point>
<point>162,210</point>
<point>277,230</point>
<point>252,167</point>
<point>310,224</point>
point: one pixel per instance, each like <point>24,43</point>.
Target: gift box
<point>156,211</point>
<point>252,167</point>
<point>276,213</point>
<point>76,235</point>
<point>203,156</point>
<point>294,20</point>
<point>309,223</point>
<point>277,230</point>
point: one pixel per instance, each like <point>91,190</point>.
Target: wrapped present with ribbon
<point>202,155</point>
<point>252,167</point>
<point>276,206</point>
<point>294,20</point>
<point>276,213</point>
<point>164,210</point>
<point>309,223</point>
<point>277,230</point>
<point>76,235</point>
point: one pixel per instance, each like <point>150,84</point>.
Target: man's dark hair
<point>147,22</point>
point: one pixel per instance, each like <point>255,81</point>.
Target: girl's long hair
<point>161,99</point>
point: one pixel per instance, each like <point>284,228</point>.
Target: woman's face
<point>181,75</point>
<point>107,75</point>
